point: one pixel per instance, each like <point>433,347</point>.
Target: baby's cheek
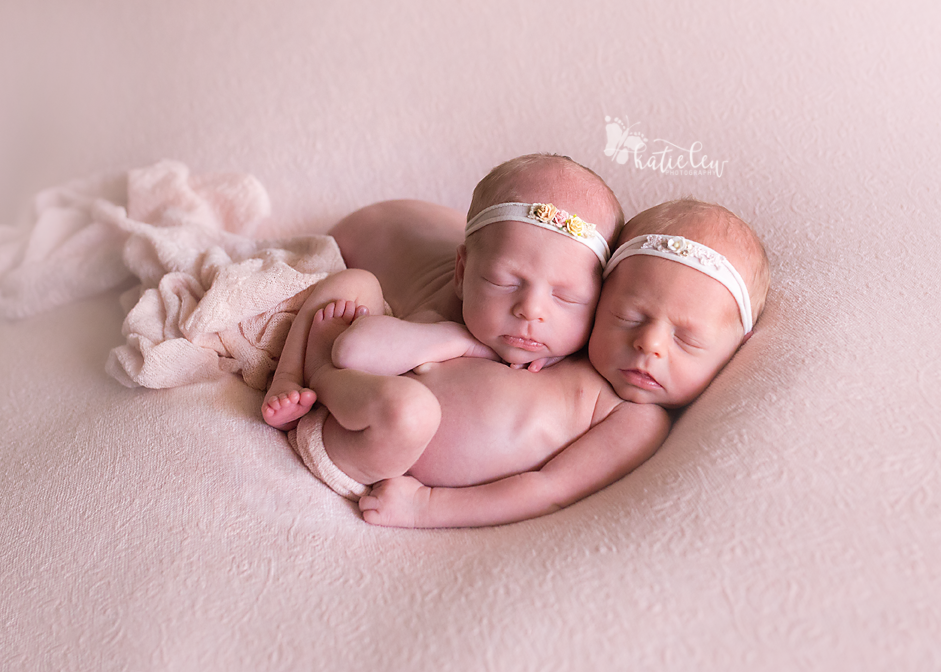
<point>580,326</point>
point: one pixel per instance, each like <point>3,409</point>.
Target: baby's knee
<point>409,411</point>
<point>351,284</point>
<point>347,283</point>
<point>360,284</point>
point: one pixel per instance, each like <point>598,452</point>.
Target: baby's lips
<point>641,379</point>
<point>523,343</point>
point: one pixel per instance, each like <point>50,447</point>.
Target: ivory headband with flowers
<point>695,255</point>
<point>544,215</point>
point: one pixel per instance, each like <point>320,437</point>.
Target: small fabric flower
<point>678,246</point>
<point>575,226</point>
<point>543,211</point>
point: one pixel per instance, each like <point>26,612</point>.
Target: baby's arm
<point>388,346</point>
<point>611,449</point>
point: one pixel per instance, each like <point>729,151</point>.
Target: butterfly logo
<point>621,140</point>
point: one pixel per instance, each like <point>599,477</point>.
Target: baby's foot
<point>328,323</point>
<point>286,403</point>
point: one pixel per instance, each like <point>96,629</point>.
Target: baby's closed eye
<point>690,339</point>
<point>571,298</point>
<point>501,282</point>
<point>629,319</point>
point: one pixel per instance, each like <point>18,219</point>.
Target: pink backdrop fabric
<point>791,520</point>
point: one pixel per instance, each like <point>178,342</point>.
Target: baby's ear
<point>460,264</point>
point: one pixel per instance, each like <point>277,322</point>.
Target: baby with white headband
<point>475,304</point>
<point>681,294</point>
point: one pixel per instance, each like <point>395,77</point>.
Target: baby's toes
<point>281,401</point>
<point>330,310</point>
<point>349,310</point>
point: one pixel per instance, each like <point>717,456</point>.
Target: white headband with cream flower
<point>695,255</point>
<point>546,216</point>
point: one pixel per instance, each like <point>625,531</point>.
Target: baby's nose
<point>650,339</point>
<point>531,306</point>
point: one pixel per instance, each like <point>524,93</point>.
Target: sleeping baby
<point>431,287</point>
<point>472,441</point>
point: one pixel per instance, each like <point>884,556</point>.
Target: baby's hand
<point>464,339</point>
<point>481,351</point>
<point>395,502</point>
<point>538,364</point>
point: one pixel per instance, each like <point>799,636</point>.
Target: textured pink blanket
<point>790,522</point>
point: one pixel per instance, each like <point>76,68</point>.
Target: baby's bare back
<point>497,421</point>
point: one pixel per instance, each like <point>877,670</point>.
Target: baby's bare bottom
<point>408,245</point>
<point>378,426</point>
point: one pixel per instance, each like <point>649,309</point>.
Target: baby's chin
<point>519,359</point>
<point>519,356</point>
<point>637,395</point>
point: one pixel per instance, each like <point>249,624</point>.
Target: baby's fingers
<point>368,503</point>
<point>544,363</point>
<point>369,506</point>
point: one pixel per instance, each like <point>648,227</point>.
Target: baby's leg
<point>288,398</point>
<point>378,426</point>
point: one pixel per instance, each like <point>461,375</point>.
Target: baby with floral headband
<point>681,294</point>
<point>518,288</point>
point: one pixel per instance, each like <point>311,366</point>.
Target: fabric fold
<point>210,300</point>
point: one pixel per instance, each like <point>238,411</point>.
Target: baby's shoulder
<point>577,374</point>
<point>613,409</point>
<point>575,370</point>
<point>641,420</point>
